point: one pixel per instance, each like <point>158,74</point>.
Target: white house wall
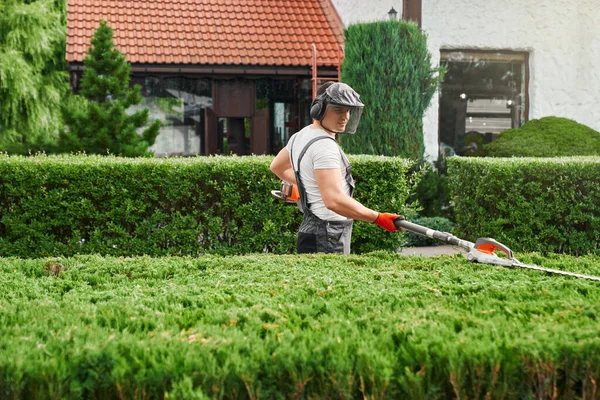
<point>357,11</point>
<point>562,38</point>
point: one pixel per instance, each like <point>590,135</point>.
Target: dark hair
<point>324,87</point>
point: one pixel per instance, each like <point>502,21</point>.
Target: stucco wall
<point>356,11</point>
<point>561,36</point>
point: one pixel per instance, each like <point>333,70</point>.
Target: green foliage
<point>472,144</point>
<point>546,137</point>
<point>317,326</point>
<point>382,183</point>
<point>388,64</point>
<point>529,204</point>
<point>432,192</point>
<point>33,80</point>
<point>437,223</point>
<point>102,125</point>
<point>65,205</point>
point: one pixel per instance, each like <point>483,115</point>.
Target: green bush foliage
<point>97,119</point>
<point>65,205</point>
<point>388,64</point>
<point>529,204</point>
<point>33,79</point>
<point>437,223</point>
<point>273,327</point>
<point>546,137</point>
<point>431,190</point>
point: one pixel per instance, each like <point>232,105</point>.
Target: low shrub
<point>546,137</point>
<point>318,326</point>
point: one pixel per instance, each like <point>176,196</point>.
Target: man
<point>313,160</point>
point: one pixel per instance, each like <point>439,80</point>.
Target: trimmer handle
<point>401,223</point>
<point>445,237</point>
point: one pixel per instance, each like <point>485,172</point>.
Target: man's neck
<point>317,125</point>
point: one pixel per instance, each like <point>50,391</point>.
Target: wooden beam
<point>211,145</point>
<point>412,11</point>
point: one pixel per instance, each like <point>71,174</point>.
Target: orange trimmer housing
<point>288,192</point>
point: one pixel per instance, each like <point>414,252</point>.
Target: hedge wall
<point>65,205</point>
<point>529,204</point>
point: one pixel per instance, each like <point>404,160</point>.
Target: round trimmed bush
<point>546,137</point>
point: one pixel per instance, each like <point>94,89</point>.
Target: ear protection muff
<point>317,111</point>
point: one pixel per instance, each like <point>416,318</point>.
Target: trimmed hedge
<point>389,65</point>
<point>546,137</point>
<point>529,204</point>
<point>274,327</point>
<point>65,205</point>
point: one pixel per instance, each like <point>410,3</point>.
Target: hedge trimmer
<point>288,192</point>
<point>483,250</point>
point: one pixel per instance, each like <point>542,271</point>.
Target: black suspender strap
<point>305,149</point>
<point>301,190</point>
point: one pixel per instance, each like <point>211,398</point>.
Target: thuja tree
<point>388,64</point>
<point>33,79</point>
<point>96,119</point>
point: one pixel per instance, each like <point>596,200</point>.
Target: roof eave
<point>221,69</point>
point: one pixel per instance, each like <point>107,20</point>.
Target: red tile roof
<point>210,32</point>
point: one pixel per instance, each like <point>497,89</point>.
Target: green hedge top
<point>64,205</point>
<point>378,326</point>
<point>546,137</point>
<point>529,204</point>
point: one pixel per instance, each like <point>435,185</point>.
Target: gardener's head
<point>337,107</point>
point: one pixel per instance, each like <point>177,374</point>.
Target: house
<point>225,77</point>
<point>508,62</point>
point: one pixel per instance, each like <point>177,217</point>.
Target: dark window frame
<point>497,54</point>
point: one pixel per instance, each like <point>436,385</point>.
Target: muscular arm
<point>330,186</point>
<point>282,167</point>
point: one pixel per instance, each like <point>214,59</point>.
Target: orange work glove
<point>386,221</point>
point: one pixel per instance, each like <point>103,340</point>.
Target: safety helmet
<point>340,95</point>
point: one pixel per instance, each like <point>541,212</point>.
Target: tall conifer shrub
<point>97,120</point>
<point>388,64</point>
<point>33,80</point>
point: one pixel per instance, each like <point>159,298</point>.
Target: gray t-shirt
<point>322,154</point>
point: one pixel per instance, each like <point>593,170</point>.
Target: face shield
<point>343,109</point>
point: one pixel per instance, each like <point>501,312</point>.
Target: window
<point>483,94</point>
<point>281,96</point>
<point>179,103</point>
<point>282,115</point>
